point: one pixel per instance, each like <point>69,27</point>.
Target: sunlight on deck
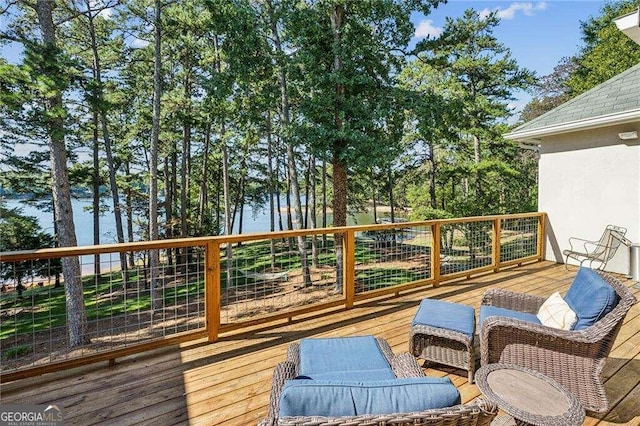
<point>228,382</point>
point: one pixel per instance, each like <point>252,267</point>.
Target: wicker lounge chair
<point>477,413</point>
<point>596,253</point>
<point>572,358</point>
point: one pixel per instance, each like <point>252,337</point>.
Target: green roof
<point>615,96</point>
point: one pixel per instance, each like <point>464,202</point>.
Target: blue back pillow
<point>590,297</point>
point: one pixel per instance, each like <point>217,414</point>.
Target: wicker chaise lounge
<point>476,413</point>
<point>573,358</point>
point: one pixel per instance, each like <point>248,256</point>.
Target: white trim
<point>572,126</point>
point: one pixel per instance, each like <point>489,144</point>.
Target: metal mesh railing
<point>257,278</point>
<point>392,256</point>
<point>518,238</point>
<point>263,277</point>
<point>466,246</point>
<point>122,306</point>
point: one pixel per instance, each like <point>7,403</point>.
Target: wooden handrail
<point>49,253</point>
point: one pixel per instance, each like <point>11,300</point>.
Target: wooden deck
<point>228,382</point>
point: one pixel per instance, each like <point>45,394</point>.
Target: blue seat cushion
<point>590,297</point>
<point>345,358</point>
<point>351,398</point>
<point>494,311</point>
<point>447,315</point>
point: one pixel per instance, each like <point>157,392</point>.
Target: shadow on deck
<point>228,382</point>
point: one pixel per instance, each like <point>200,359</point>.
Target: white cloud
<point>528,9</point>
<point>99,4</point>
<point>138,43</point>
<point>427,29</point>
<point>106,13</point>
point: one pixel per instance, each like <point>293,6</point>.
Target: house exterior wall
<point>588,180</point>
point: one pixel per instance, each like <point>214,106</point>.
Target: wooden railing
<point>212,285</point>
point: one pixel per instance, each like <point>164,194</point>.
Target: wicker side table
<point>529,397</point>
<point>443,332</point>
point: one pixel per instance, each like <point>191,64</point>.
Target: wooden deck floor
<point>228,382</point>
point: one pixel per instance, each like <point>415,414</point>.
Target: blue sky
<point>538,33</point>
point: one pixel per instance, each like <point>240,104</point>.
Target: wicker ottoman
<point>442,332</point>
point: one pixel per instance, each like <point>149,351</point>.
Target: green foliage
<point>16,351</point>
<point>19,232</point>
<point>353,100</point>
<point>551,91</point>
<point>466,78</point>
<point>607,51</point>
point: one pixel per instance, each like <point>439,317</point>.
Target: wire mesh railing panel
<point>44,319</point>
<point>392,256</point>
<point>465,246</point>
<point>264,277</point>
<point>518,238</point>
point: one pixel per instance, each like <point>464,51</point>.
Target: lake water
<point>254,221</point>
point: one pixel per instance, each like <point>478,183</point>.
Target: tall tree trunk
<point>228,225</point>
<point>307,178</point>
<point>128,200</point>
<point>168,207</point>
<point>203,197</point>
<point>392,200</point>
<point>54,122</point>
<point>476,159</point>
<point>270,185</point>
<point>291,158</point>
<point>339,171</point>
<point>96,194</point>
<point>311,201</point>
<point>374,195</point>
<point>185,161</point>
<point>184,164</point>
<point>432,176</point>
<point>324,201</point>
<point>106,136</point>
<point>154,257</point>
<point>278,196</point>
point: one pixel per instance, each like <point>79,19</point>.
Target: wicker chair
<point>572,358</point>
<point>477,413</point>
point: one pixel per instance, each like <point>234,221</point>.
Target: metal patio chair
<point>597,252</point>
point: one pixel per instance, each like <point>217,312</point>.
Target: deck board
<point>228,382</point>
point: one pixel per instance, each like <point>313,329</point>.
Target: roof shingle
<point>616,95</point>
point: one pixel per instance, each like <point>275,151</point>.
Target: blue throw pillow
<point>350,398</point>
<point>590,297</point>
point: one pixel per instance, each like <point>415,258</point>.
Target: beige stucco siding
<point>588,180</point>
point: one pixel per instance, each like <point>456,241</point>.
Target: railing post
<point>541,236</point>
<point>349,276</point>
<point>212,289</point>
<point>435,253</point>
<point>497,235</point>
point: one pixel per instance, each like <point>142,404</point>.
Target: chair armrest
<point>405,365</point>
<point>520,302</point>
<point>580,241</point>
<point>284,371</point>
<point>588,246</point>
<point>529,343</point>
<point>542,331</point>
<point>384,347</point>
<point>293,354</point>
